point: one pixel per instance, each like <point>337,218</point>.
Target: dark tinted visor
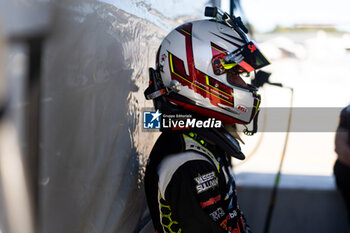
<point>253,58</point>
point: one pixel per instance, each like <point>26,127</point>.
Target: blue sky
<point>266,14</point>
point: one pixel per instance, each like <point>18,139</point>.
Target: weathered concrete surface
<point>95,69</point>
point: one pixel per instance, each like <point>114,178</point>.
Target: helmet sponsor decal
<point>242,108</point>
<point>252,47</point>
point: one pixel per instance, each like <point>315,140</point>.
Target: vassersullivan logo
<point>155,120</point>
<point>151,120</point>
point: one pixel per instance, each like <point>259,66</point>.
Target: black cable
<point>278,175</point>
<point>232,6</point>
<point>236,5</point>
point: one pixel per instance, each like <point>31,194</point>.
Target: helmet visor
<point>253,58</point>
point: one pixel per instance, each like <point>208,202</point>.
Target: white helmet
<point>198,65</point>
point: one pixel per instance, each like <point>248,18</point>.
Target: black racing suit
<point>341,170</point>
<point>190,188</point>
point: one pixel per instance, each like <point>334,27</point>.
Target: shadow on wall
<point>95,70</point>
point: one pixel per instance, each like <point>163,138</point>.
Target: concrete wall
<point>95,63</point>
<point>93,148</point>
<point>304,203</point>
